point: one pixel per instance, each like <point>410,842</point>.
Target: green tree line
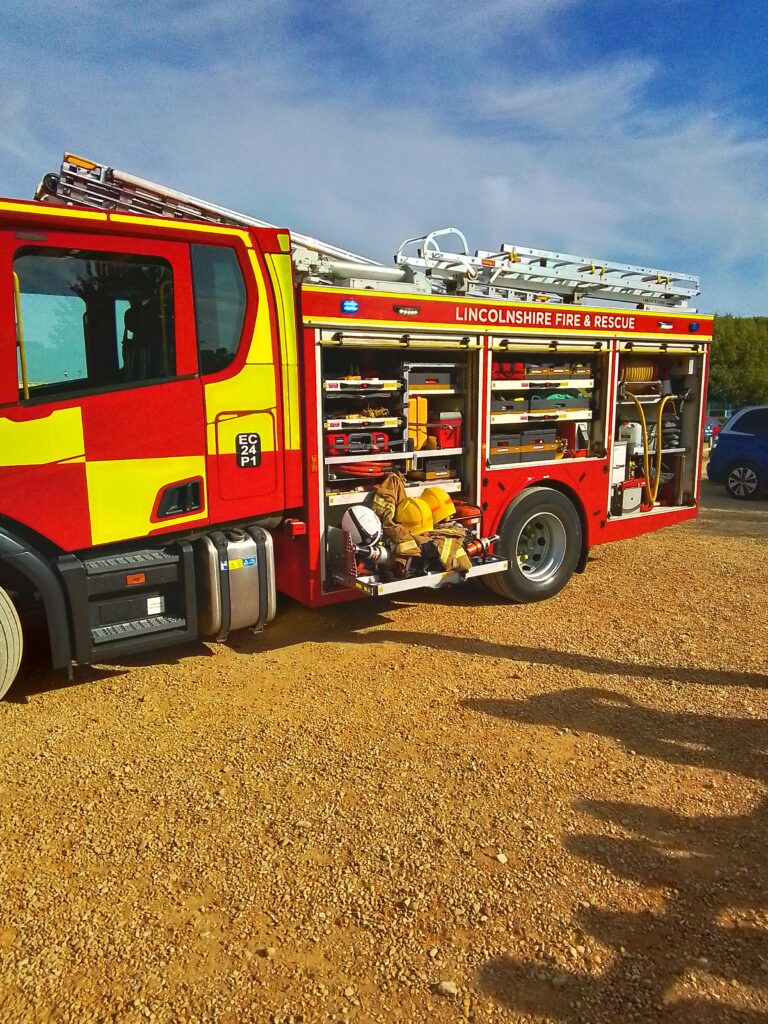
<point>738,370</point>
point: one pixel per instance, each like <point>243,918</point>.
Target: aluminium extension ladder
<point>82,182</point>
<point>513,268</point>
<point>513,272</point>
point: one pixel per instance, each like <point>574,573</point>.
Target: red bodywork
<point>586,481</point>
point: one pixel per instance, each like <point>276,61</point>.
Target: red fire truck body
<point>171,393</point>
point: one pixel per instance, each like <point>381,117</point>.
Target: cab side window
<point>92,320</point>
<point>220,300</point>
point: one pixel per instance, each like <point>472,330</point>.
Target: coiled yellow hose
<point>651,485</point>
<point>639,371</point>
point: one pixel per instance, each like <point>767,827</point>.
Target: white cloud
<point>578,161</point>
<point>585,104</point>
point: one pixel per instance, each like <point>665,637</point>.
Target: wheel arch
<point>744,460</point>
<point>572,495</point>
<point>23,566</point>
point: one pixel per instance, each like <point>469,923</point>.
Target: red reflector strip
<point>135,579</point>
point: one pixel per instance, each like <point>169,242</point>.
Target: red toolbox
<point>507,371</point>
<point>447,431</point>
<point>357,442</point>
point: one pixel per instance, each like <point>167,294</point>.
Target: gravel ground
<point>440,811</point>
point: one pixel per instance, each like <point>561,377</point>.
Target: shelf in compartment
<point>338,460</point>
<point>342,386</point>
<point>571,460</point>
<point>559,415</point>
<point>638,450</point>
<point>345,423</point>
<point>572,383</point>
<point>359,494</point>
<point>431,392</point>
<point>433,453</point>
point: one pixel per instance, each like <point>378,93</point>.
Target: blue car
<point>739,456</point>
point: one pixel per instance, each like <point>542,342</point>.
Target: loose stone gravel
<point>436,810</point>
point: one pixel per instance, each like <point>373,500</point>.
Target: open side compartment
<point>547,403</point>
<point>395,409</point>
<point>655,458</point>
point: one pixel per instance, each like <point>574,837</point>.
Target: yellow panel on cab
<point>42,440</point>
<point>122,494</point>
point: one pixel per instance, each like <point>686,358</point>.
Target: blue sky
<point>618,129</point>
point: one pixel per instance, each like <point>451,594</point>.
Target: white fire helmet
<point>363,525</point>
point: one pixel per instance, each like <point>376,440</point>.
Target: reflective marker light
<point>350,306</point>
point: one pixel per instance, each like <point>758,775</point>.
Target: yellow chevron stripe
<point>248,401</point>
<point>281,272</point>
<point>166,222</point>
<point>51,211</point>
<point>54,438</point>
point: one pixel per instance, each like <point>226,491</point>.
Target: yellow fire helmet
<point>440,503</point>
<point>415,515</point>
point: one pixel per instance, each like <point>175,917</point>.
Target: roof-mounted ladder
<point>82,182</point>
<point>514,272</point>
<point>515,269</point>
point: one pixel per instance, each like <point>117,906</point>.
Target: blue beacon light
<point>350,306</point>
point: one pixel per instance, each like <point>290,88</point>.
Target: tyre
<point>542,537</point>
<point>10,642</point>
<point>744,481</point>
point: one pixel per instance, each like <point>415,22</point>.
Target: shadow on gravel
<point>711,867</point>
<point>358,621</point>
<point>563,659</point>
<point>34,681</point>
<point>37,677</point>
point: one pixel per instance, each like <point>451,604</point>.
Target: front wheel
<point>11,642</point>
<point>541,535</point>
<point>743,481</point>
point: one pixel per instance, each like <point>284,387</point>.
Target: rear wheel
<point>541,535</point>
<point>11,642</point>
<point>743,481</point>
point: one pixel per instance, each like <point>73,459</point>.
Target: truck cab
<point>143,385</point>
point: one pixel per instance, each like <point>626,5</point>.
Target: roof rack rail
<point>515,268</point>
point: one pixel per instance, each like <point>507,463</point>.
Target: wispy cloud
<point>367,123</point>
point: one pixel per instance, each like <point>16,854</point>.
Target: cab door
<point>106,440</point>
<point>240,370</point>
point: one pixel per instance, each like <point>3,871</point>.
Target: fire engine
<point>199,410</point>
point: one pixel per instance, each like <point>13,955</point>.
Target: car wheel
<point>541,536</point>
<point>743,481</point>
